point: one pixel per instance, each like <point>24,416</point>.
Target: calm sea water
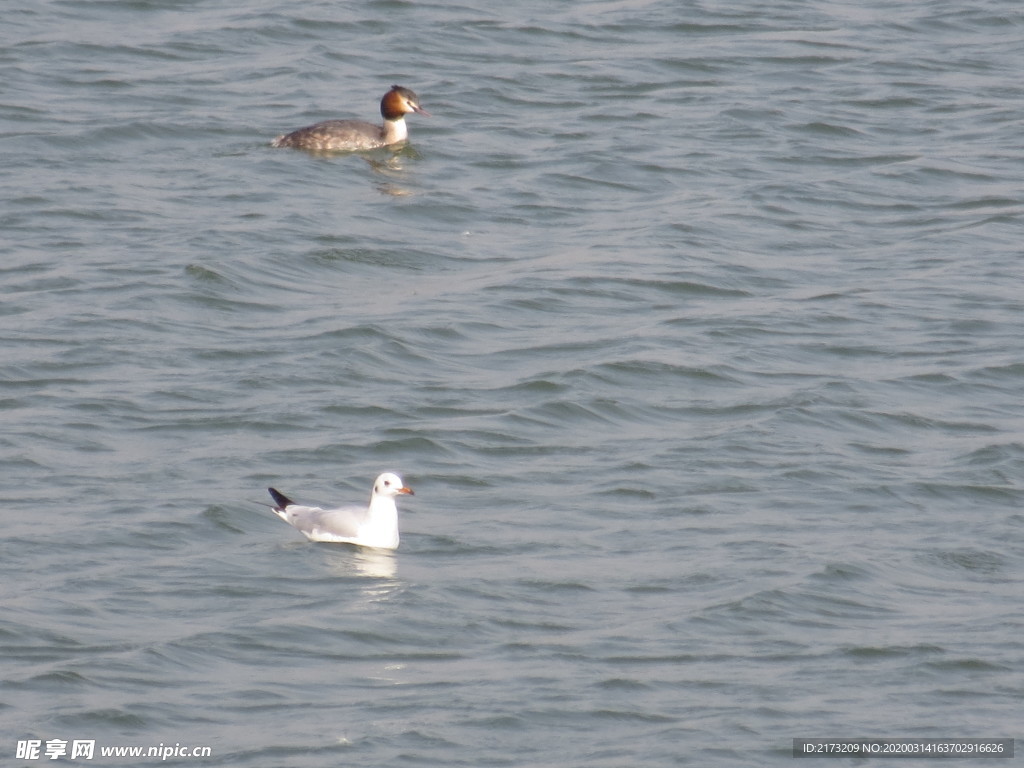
<point>698,329</point>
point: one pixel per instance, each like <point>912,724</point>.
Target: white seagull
<point>373,526</point>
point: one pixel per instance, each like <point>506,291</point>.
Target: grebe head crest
<point>399,102</point>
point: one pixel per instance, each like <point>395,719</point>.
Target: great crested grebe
<point>357,134</point>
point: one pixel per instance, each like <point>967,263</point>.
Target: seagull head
<point>390,485</point>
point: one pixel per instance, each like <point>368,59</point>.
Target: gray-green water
<point>698,329</point>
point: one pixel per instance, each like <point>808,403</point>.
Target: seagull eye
<point>387,483</point>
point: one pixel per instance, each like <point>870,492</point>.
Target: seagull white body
<point>375,525</point>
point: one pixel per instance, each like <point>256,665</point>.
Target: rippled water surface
<point>697,328</point>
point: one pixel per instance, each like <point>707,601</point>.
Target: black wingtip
<point>280,499</point>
